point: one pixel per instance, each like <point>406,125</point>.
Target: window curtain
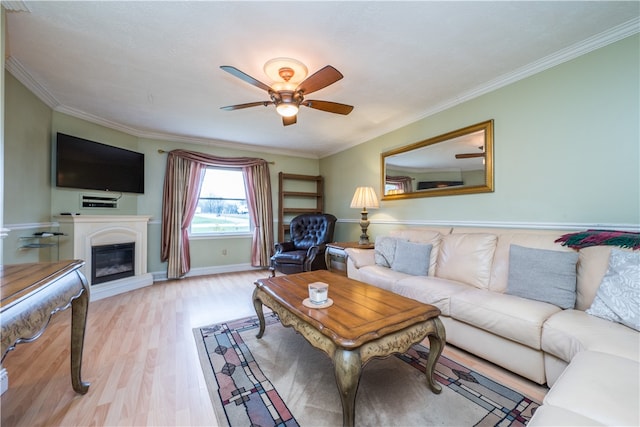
<point>182,181</point>
<point>402,183</point>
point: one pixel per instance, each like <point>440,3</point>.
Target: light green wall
<point>207,252</point>
<point>3,27</point>
<point>566,151</point>
<point>31,197</point>
<point>27,169</point>
<point>69,199</point>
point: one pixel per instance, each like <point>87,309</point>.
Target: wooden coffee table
<point>364,322</point>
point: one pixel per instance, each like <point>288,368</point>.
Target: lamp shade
<point>365,197</point>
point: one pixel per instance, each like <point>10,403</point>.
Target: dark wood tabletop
<point>360,312</point>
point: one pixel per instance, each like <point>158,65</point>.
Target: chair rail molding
<point>504,224</point>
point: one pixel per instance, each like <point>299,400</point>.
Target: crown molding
<point>161,136</point>
<point>15,6</point>
<point>590,44</point>
<point>583,47</point>
<point>18,71</point>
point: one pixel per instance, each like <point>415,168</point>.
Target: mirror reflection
<point>458,162</point>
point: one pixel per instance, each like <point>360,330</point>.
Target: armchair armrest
<point>312,252</point>
<point>284,247</point>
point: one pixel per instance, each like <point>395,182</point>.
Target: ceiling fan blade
<point>330,107</point>
<point>247,105</point>
<point>246,77</point>
<point>469,155</point>
<point>320,79</point>
<point>286,121</point>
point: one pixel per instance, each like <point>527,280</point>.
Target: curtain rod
<point>161,151</point>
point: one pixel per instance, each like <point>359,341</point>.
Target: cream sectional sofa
<point>492,285</point>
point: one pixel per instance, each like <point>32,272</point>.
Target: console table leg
<point>347,367</point>
<point>79,310</point>
<point>437,340</point>
<point>257,304</point>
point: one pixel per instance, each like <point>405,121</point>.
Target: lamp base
<point>364,224</point>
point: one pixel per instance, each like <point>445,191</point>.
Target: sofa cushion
<point>381,277</point>
<point>508,316</point>
<point>385,250</point>
<point>430,290</point>
<point>467,258</point>
<point>553,416</point>
<point>412,258</point>
<point>618,298</point>
<point>592,266</point>
<point>423,235</point>
<point>539,239</point>
<point>569,332</point>
<point>543,275</point>
<point>599,386</point>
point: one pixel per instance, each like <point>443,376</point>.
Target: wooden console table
<point>31,294</point>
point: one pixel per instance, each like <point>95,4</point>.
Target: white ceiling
<point>152,68</point>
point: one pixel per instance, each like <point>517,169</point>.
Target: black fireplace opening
<point>111,262</point>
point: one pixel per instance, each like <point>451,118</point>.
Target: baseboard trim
<point>206,271</point>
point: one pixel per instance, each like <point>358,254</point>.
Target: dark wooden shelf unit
<point>297,194</point>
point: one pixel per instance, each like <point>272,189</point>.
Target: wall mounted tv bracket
<point>89,201</point>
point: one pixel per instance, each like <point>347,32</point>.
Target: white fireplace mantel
<point>85,231</point>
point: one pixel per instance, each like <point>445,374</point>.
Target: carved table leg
<point>257,304</point>
<point>437,341</point>
<point>347,367</point>
<point>79,309</point>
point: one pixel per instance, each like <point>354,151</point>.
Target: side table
<point>335,255</point>
<point>31,294</point>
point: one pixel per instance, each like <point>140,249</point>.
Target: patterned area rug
<point>280,380</point>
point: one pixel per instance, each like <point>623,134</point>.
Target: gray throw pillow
<point>412,258</point>
<point>385,250</point>
<point>543,275</point>
<point>618,297</point>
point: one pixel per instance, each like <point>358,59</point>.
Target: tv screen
<point>85,164</point>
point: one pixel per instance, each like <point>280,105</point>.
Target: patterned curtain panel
<point>182,181</point>
<point>258,184</point>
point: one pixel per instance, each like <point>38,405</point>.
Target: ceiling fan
<point>288,96</point>
<point>471,155</point>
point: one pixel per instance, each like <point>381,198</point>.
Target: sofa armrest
<point>361,257</point>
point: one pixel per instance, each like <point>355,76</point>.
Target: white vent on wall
<point>90,201</point>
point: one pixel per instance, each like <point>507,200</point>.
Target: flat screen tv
<point>85,164</point>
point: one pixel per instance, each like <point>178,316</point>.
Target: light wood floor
<point>141,360</point>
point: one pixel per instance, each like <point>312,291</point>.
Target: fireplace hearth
<point>112,262</point>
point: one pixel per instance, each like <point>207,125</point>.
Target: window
<point>222,206</point>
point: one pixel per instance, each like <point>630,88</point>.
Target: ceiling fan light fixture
<point>285,70</point>
<point>287,110</point>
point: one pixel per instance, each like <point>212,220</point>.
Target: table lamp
<point>364,198</point>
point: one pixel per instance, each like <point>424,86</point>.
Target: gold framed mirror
<point>457,162</point>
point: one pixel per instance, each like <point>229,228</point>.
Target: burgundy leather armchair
<point>310,234</point>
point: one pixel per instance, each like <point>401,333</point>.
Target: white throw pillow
<point>618,297</point>
<point>385,250</point>
<point>412,258</point>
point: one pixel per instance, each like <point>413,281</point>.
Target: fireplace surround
<point>84,232</point>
